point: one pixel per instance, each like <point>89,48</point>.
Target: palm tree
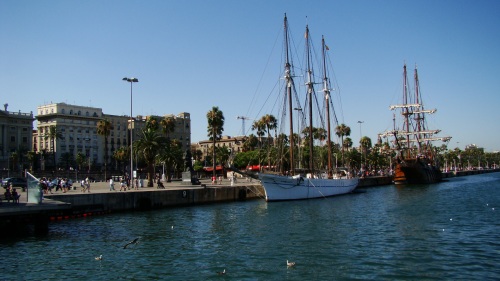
<point>365,144</point>
<point>347,143</point>
<point>168,125</point>
<point>52,135</point>
<point>319,134</point>
<point>149,146</point>
<point>14,159</point>
<point>341,131</point>
<point>104,128</point>
<point>80,159</point>
<point>250,143</point>
<point>31,155</point>
<point>270,123</point>
<point>259,126</point>
<point>121,155</point>
<point>215,119</point>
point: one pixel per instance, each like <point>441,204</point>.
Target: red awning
<point>210,169</point>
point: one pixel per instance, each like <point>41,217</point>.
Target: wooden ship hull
<point>416,171</point>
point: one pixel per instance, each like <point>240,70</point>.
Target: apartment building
<point>78,127</point>
<point>182,129</point>
<point>233,143</point>
<point>16,129</point>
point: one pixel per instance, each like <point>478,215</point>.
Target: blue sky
<point>192,55</point>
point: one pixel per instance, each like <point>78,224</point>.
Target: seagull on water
<point>135,241</point>
<point>290,263</point>
<point>99,258</point>
<point>222,272</point>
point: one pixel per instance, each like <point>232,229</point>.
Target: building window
<point>87,113</point>
<point>13,139</point>
<point>25,139</point>
<point>71,111</point>
<point>63,111</point>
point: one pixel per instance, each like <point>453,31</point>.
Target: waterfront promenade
<point>103,187</point>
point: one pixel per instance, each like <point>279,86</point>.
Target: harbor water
<point>445,231</point>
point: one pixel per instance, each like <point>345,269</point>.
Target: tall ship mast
<point>416,161</point>
<point>292,185</point>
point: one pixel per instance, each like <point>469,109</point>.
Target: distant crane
<point>243,118</point>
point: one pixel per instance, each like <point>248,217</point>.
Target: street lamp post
<point>132,80</point>
<point>361,144</point>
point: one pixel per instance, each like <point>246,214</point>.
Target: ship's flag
<point>326,47</point>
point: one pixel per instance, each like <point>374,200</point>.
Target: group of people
<point>85,185</point>
<point>48,185</point>
<point>11,194</point>
<point>217,180</point>
<point>124,184</point>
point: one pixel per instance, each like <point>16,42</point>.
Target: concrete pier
<point>14,218</point>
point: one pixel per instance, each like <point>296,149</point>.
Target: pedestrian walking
<point>111,184</point>
<point>123,185</point>
<point>87,184</point>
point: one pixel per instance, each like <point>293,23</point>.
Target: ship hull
<point>416,172</point>
<point>281,188</point>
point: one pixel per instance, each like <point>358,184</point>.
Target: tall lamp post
<point>132,80</point>
<point>361,144</point>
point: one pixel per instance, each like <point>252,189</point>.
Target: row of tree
<point>155,147</point>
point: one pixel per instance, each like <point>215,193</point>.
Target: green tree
<point>31,155</point>
<point>259,126</point>
<point>250,143</point>
<point>149,146</point>
<point>215,119</point>
<point>66,160</point>
<point>365,143</point>
<point>270,123</point>
<point>342,130</point>
<point>121,155</point>
<point>104,128</point>
<point>167,125</point>
<point>52,135</point>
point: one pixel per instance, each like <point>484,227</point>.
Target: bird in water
<point>290,263</point>
<point>99,258</point>
<point>135,241</point>
<point>222,272</point>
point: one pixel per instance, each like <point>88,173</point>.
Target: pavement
<point>103,187</point>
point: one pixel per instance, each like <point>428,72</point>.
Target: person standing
<point>111,184</point>
<point>15,196</point>
<point>63,185</point>
<point>123,186</point>
<point>87,184</point>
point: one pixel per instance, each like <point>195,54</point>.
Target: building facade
<point>182,129</point>
<point>235,144</point>
<point>78,128</point>
<point>16,129</point>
